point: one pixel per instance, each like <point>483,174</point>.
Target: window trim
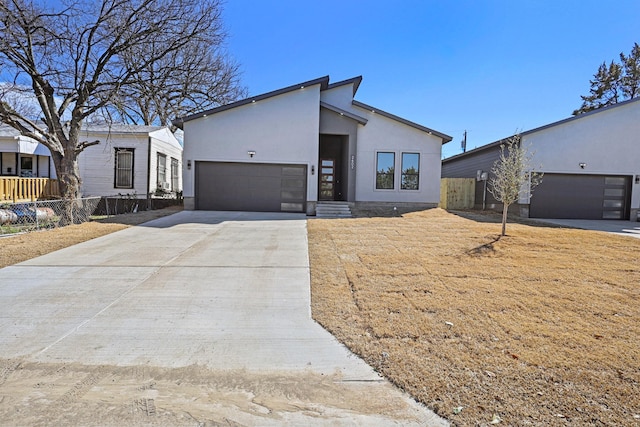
<point>403,174</point>
<point>117,151</point>
<point>164,172</point>
<point>175,179</point>
<point>393,174</point>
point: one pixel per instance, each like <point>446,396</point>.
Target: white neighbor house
<point>23,157</point>
<point>129,160</point>
<point>289,149</point>
<point>591,165</point>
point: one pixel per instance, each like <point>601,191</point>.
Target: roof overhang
<point>540,128</point>
<point>445,138</point>
<point>344,113</point>
<point>322,81</point>
<point>355,81</point>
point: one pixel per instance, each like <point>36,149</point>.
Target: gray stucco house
<point>591,165</point>
<point>305,144</point>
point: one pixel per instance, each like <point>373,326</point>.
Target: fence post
<point>35,212</point>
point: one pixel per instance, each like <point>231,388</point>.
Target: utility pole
<point>464,142</point>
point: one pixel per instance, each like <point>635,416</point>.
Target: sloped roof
<point>538,129</point>
<point>355,81</point>
<point>322,81</point>
<point>117,128</point>
<point>344,113</point>
<point>324,85</point>
<point>7,131</point>
<point>445,138</point>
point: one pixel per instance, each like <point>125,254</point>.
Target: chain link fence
<point>38,215</point>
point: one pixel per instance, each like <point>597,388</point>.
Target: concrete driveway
<point>227,291</point>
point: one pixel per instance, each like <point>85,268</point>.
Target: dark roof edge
<point>547,126</point>
<point>322,81</point>
<point>445,138</point>
<point>579,116</point>
<point>345,113</point>
<point>355,80</point>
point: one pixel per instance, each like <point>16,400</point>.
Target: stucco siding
<point>382,134</point>
<point>280,129</point>
<point>607,143</point>
<point>340,97</point>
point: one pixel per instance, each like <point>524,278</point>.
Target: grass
<point>539,327</point>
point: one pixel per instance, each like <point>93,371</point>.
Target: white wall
<point>280,129</point>
<point>340,97</point>
<point>97,164</point>
<point>388,135</point>
<point>608,142</point>
<point>163,142</point>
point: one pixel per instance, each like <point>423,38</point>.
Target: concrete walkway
<point>225,290</point>
<point>622,228</point>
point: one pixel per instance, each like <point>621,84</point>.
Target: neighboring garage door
<point>581,197</point>
<point>256,187</point>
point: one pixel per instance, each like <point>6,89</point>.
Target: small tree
<point>512,176</point>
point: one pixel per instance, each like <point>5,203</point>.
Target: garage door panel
<point>581,197</point>
<point>250,187</point>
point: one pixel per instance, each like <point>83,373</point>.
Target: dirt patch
<point>539,327</point>
<point>21,247</point>
<point>41,394</point>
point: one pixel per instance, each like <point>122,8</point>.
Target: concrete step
<point>333,210</point>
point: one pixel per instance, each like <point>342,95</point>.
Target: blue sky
<point>489,67</point>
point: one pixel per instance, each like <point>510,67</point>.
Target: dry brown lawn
<point>541,327</point>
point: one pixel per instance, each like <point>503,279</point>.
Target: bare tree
<point>83,58</point>
<point>512,175</point>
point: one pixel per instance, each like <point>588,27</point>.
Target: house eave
<point>540,128</point>
<point>322,81</point>
<point>445,138</point>
<point>344,113</point>
<point>354,80</point>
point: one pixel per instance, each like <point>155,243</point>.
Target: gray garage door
<point>257,187</point>
<point>581,197</point>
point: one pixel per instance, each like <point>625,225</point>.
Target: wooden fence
<point>16,189</point>
<point>457,193</point>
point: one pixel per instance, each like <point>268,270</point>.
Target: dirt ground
<point>40,394</point>
<point>540,327</point>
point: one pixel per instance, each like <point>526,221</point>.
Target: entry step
<point>333,210</point>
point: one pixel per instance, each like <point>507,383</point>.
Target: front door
<point>327,179</point>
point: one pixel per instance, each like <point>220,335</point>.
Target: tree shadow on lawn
<point>494,217</point>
